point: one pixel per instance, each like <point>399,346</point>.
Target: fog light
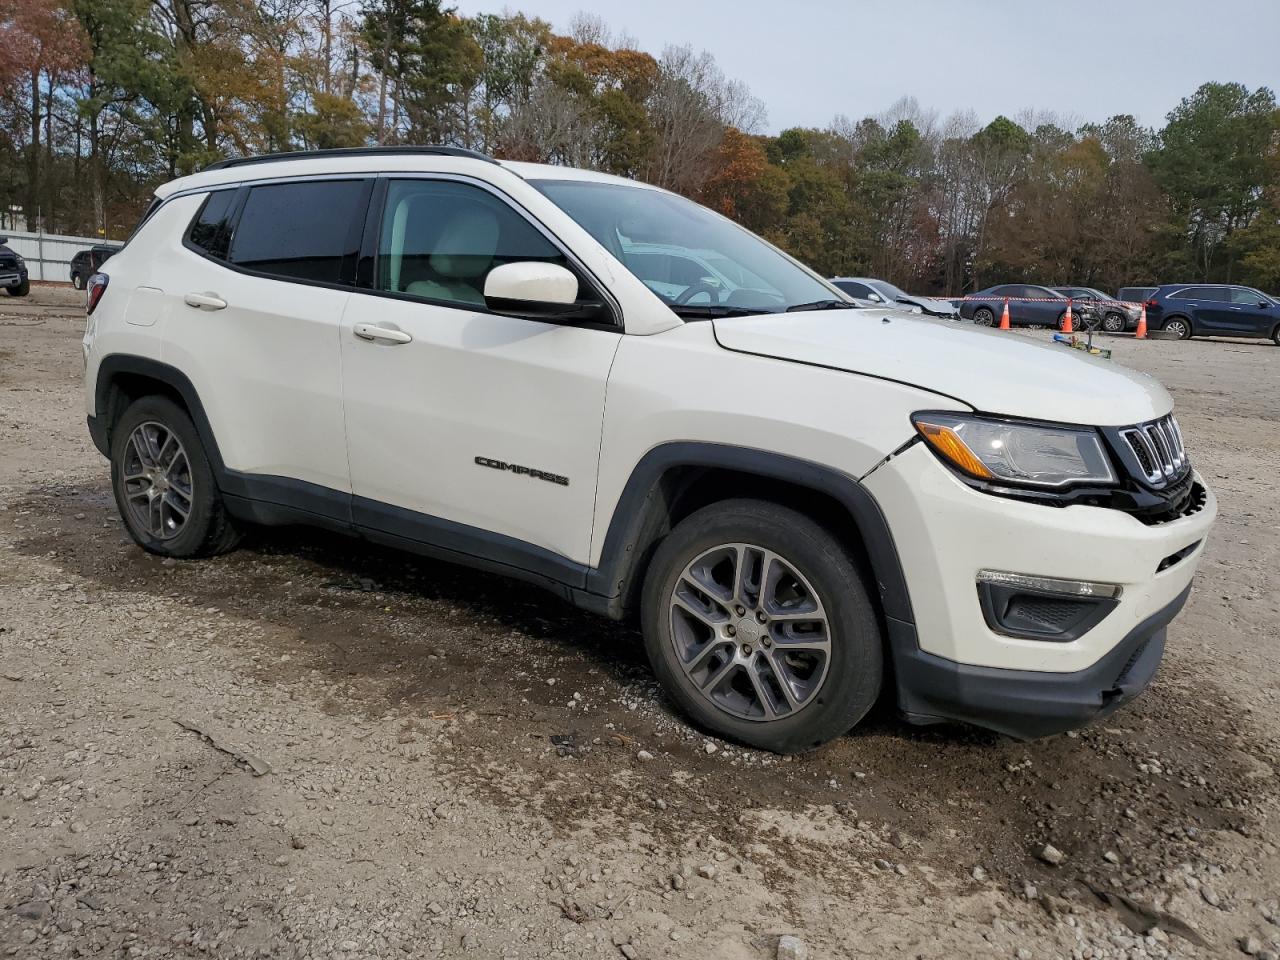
<point>1070,588</point>
<point>1043,608</point>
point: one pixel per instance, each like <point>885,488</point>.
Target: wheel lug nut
<point>746,649</point>
<point>761,617</point>
<point>731,630</point>
<point>739,610</point>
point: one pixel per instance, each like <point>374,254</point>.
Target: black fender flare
<point>640,505</point>
<point>115,365</point>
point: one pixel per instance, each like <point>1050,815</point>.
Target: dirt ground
<point>409,759</point>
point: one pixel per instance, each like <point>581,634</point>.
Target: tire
<point>77,281</point>
<point>1114,323</point>
<point>1275,335</point>
<point>21,290</point>
<point>1062,321</point>
<point>206,529</point>
<point>830,690</point>
<point>1179,326</point>
<point>984,317</point>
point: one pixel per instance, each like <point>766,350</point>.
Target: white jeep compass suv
<point>524,368</point>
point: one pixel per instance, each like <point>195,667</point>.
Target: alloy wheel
<point>1113,323</point>
<point>750,632</point>
<point>1178,328</point>
<point>984,317</point>
<point>157,480</point>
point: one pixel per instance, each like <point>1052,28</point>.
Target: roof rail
<point>395,150</point>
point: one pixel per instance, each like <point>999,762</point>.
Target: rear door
<point>470,429</point>
<point>1213,311</point>
<point>256,301</point>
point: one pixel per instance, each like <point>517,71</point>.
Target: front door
<point>469,429</point>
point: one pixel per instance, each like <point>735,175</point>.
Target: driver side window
<point>440,238</point>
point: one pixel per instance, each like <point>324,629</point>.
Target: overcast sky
<point>809,60</point>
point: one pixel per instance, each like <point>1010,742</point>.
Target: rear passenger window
<point>301,231</point>
<point>209,231</point>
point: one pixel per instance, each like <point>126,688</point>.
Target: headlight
<point>1027,454</point>
<point>21,263</point>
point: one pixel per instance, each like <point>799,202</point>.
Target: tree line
<point>101,100</point>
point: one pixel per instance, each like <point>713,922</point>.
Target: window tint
<point>1215,294</point>
<point>439,239</point>
<point>1246,296</point>
<point>209,230</point>
<point>854,289</point>
<point>300,231</point>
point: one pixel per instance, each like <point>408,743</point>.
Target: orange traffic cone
<point>1142,324</point>
<point>1066,320</point>
<point>1004,317</point>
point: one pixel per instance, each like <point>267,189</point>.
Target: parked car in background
<point>88,262</point>
<point>1135,294</point>
<point>13,272</point>
<point>1029,305</point>
<point>884,293</point>
<point>1113,316</point>
<point>1213,310</point>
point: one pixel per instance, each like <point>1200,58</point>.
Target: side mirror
<point>538,291</point>
<point>876,297</point>
<point>1263,305</point>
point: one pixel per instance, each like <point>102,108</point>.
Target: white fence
<point>48,255</point>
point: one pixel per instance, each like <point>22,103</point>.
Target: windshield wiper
<point>699,311</point>
<point>822,305</point>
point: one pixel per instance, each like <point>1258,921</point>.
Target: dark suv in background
<point>1213,310</point>
<point>13,272</point>
<point>88,262</point>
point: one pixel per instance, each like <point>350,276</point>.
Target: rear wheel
<point>1113,323</point>
<point>164,487</point>
<point>1180,327</point>
<point>77,281</point>
<point>760,627</point>
<point>984,317</point>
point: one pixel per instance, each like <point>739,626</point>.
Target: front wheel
<point>77,281</point>
<point>983,317</point>
<point>165,490</point>
<point>1113,323</point>
<point>1179,327</point>
<point>760,627</point>
<point>21,290</point>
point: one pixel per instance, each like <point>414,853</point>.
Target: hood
<point>936,305</point>
<point>992,371</point>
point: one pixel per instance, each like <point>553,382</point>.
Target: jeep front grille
<point>1158,448</point>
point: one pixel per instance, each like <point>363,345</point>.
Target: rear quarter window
<point>211,229</point>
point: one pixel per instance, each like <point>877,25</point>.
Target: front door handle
<point>372,331</point>
<point>207,301</point>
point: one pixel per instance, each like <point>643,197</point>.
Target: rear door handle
<point>372,331</point>
<point>206,301</point>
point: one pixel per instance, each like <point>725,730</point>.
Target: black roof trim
<point>397,150</point>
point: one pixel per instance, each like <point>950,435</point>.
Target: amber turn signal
<point>954,450</point>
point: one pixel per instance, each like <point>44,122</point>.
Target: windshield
<point>698,262</point>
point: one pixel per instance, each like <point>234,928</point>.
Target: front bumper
<point>952,664</point>
<point>1027,704</point>
<point>12,279</point>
